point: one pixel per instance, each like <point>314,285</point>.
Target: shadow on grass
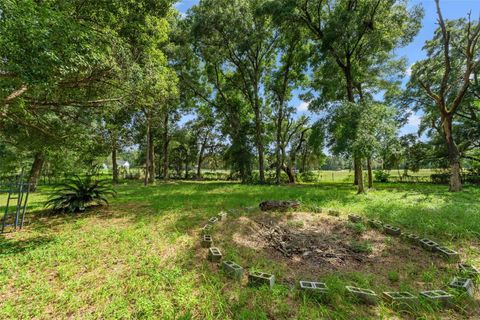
<point>426,209</point>
<point>12,247</point>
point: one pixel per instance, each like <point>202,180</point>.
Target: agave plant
<point>75,194</point>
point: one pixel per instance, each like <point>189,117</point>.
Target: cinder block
<point>469,270</point>
<point>463,284</point>
<point>261,278</point>
<point>400,298</point>
<point>207,241</point>
<point>222,216</point>
<point>391,230</point>
<point>412,238</point>
<point>365,295</point>
<point>213,220</point>
<point>354,218</point>
<point>313,287</point>
<point>232,270</point>
<point>207,229</point>
<point>438,296</point>
<point>333,213</point>
<point>449,254</point>
<point>428,244</point>
<point>214,255</point>
<point>376,224</point>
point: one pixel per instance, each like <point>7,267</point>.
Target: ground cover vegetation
<point>141,256</point>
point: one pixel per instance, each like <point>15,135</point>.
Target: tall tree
<point>241,42</point>
<point>441,82</point>
<point>287,75</point>
<point>353,40</point>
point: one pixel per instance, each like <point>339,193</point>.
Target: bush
<point>440,178</point>
<point>308,176</point>
<point>381,176</point>
<point>75,194</point>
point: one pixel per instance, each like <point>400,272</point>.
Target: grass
<point>140,257</point>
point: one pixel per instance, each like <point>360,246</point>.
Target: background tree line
<point>84,80</point>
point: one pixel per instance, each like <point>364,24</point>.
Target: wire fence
<point>316,176</point>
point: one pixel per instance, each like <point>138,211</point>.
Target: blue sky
<point>451,9</point>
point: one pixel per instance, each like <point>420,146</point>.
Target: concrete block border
<point>428,244</point>
<point>213,220</point>
<point>313,287</point>
<point>463,284</point>
<point>354,218</point>
<point>214,254</point>
<point>437,296</point>
<point>400,297</point>
<point>391,230</point>
<point>469,270</point>
<point>374,223</point>
<point>449,254</point>
<point>367,296</point>
<point>257,278</point>
<point>207,241</point>
<point>222,216</point>
<point>412,238</point>
<point>232,270</point>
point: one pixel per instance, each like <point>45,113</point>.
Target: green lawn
<point>140,257</point>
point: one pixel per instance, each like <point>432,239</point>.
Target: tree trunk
<point>347,71</point>
<point>35,171</point>
<point>360,187</point>
<point>147,153</point>
<point>355,172</point>
<point>453,155</point>
<point>259,142</point>
<point>369,168</point>
<point>114,163</point>
<point>166,142</point>
<point>151,156</point>
<point>291,175</point>
<point>200,157</point>
<point>304,161</point>
<point>186,167</point>
<point>278,167</point>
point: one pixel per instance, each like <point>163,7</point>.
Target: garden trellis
<point>16,204</point>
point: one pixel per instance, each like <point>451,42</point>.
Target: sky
<point>451,9</point>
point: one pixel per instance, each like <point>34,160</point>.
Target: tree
<point>240,43</point>
<point>441,82</point>
<point>62,62</point>
<point>354,41</point>
<point>360,130</point>
<point>287,75</point>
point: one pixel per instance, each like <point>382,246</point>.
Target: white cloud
<point>414,120</point>
<point>409,71</point>
<point>303,106</point>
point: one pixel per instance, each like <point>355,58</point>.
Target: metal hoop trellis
<point>16,204</point>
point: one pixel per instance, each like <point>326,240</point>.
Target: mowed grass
<point>140,257</point>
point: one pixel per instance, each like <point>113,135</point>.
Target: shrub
<point>75,194</point>
<point>440,178</point>
<point>308,176</point>
<point>381,176</point>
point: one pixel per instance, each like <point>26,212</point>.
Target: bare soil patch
<point>312,245</point>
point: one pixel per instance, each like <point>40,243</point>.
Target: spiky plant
<point>75,194</point>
